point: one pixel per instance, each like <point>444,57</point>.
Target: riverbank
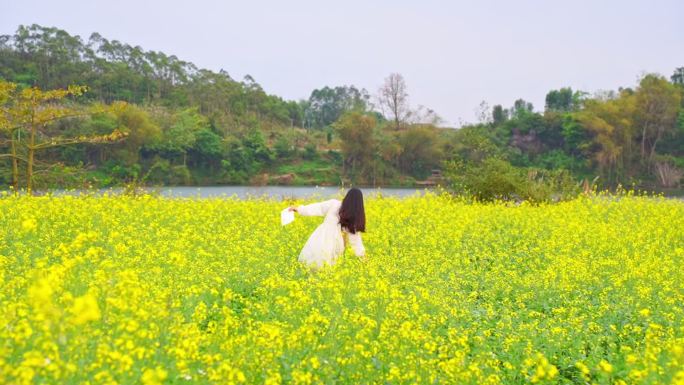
<point>278,192</point>
<point>246,192</point>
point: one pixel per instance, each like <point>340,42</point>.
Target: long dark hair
<point>352,214</point>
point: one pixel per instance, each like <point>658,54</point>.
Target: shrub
<point>310,152</point>
<point>496,179</point>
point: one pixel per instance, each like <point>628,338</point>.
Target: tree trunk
<point>660,131</point>
<point>643,142</point>
<point>653,148</point>
<point>29,167</point>
<point>353,168</point>
<point>15,166</point>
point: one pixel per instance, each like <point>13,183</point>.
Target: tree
<point>483,113</point>
<point>7,129</point>
<point>474,144</point>
<point>326,105</point>
<point>576,139</point>
<point>207,147</point>
<point>561,100</point>
<point>420,150</point>
<point>678,76</point>
<point>521,108</point>
<point>139,129</point>
<point>283,147</point>
<point>180,135</point>
<point>393,99</point>
<point>657,105</point>
<point>34,110</point>
<point>358,145</point>
<point>255,144</point>
<point>611,126</point>
<point>425,116</point>
<point>386,157</point>
<point>499,114</point>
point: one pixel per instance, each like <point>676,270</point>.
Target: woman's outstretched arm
<point>315,209</point>
<point>357,244</point>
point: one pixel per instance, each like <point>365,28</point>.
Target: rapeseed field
<point>150,290</point>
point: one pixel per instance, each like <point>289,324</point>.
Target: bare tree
<point>425,115</point>
<point>393,99</point>
<point>484,113</point>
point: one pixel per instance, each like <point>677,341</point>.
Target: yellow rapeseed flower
<point>605,367</point>
<point>85,309</point>
<point>154,376</point>
<point>452,292</point>
<point>29,225</point>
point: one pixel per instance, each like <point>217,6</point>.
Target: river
<point>245,192</point>
<point>278,192</point>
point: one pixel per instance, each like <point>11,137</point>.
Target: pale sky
<point>453,54</point>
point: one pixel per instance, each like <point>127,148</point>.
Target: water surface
<point>246,192</point>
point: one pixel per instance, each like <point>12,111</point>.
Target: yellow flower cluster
<point>150,290</point>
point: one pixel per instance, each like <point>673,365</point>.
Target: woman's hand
<point>292,208</point>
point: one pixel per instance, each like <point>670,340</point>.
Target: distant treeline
<point>187,125</point>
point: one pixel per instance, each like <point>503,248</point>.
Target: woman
<point>326,243</point>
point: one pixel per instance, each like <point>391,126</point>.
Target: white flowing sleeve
<point>356,244</point>
<point>316,209</point>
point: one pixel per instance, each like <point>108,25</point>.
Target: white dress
<point>326,243</point>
